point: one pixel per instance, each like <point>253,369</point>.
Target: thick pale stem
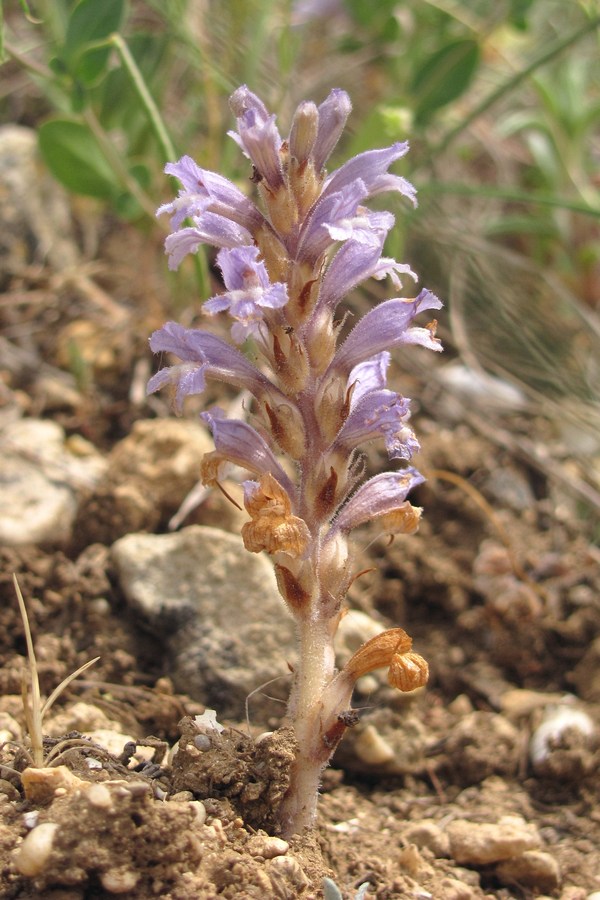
<point>315,671</point>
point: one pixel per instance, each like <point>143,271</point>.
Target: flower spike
<point>288,260</point>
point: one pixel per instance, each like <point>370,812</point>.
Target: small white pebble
<point>119,881</point>
<point>35,850</point>
<point>372,748</point>
<point>556,721</point>
<point>267,847</point>
<point>199,808</point>
<point>30,819</point>
<point>99,795</point>
<point>208,721</point>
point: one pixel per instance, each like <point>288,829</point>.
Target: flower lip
<point>380,413</point>
<point>205,191</point>
<point>205,355</point>
<point>249,292</point>
<point>379,496</point>
<point>384,327</point>
<point>242,445</point>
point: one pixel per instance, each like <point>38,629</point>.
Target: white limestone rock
<point>42,475</point>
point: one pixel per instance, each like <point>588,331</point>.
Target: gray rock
<point>35,219</point>
<point>41,475</point>
<point>217,606</point>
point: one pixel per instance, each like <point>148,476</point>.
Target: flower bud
<point>303,131</point>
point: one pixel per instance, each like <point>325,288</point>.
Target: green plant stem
<point>141,89</point>
<point>115,161</point>
<point>168,151</point>
<point>507,86</point>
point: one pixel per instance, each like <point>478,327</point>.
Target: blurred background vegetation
<point>500,100</point>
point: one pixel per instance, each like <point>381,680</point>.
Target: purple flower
<point>384,327</point>
<point>209,228</point>
<point>370,375</point>
<point>258,136</point>
<point>378,496</point>
<point>333,113</point>
<point>354,262</point>
<point>376,412</point>
<point>242,445</point>
<point>380,414</point>
<point>371,168</point>
<point>207,191</point>
<point>249,291</point>
<point>205,355</point>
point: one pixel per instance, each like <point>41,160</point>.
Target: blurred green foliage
<point>500,99</point>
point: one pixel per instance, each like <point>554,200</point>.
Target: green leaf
<point>90,23</point>
<point>74,158</point>
<point>444,76</point>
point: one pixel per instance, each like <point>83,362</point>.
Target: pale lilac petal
<point>242,445</point>
<point>241,268</point>
<point>250,291</point>
<point>371,167</point>
<point>315,237</point>
<point>385,327</point>
<point>257,135</point>
<point>353,263</point>
<point>387,267</point>
<point>384,183</point>
<point>180,243</point>
<point>362,227</point>
<point>380,414</point>
<point>204,190</point>
<point>209,228</point>
<point>206,355</point>
<point>243,99</point>
<point>333,113</point>
<point>370,375</point>
<point>376,497</point>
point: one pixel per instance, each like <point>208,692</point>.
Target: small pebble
<point>30,819</point>
<point>479,844</point>
<point>202,742</point>
<point>452,889</point>
<point>267,847</point>
<point>556,722</point>
<point>98,795</point>
<point>372,748</point>
<point>519,702</point>
<point>288,868</point>
<point>534,869</point>
<point>34,852</point>
<point>427,833</point>
<point>200,810</point>
<point>181,796</point>
<point>119,881</point>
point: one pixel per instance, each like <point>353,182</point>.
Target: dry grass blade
<point>31,691</point>
<point>30,688</point>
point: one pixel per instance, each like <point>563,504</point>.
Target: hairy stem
<point>315,671</point>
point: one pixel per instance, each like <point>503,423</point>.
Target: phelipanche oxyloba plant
<point>287,263</point>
